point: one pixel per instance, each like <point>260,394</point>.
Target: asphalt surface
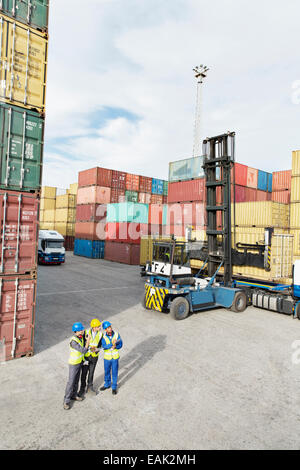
<point>217,380</point>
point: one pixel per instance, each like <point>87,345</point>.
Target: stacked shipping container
<point>24,44</point>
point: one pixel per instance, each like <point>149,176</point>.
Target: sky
<point>121,91</point>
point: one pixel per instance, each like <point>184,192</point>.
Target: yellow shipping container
<point>47,226</point>
<point>66,200</point>
<point>295,215</point>
<point>295,189</point>
<point>296,235</point>
<point>65,228</point>
<point>73,189</point>
<point>296,163</point>
<point>23,67</point>
<point>47,215</point>
<point>261,214</point>
<point>48,192</point>
<point>47,204</point>
<point>65,215</point>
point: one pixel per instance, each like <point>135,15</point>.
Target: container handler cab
<point>51,248</point>
<point>170,286</point>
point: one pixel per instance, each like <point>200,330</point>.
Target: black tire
<point>143,302</point>
<point>297,311</point>
<point>239,303</point>
<point>180,308</point>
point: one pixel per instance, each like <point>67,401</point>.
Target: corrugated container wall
<point>296,163</point>
<point>89,248</point>
<point>281,180</point>
<point>186,191</point>
<point>34,13</point>
<point>122,253</point>
<point>95,177</point>
<point>24,51</point>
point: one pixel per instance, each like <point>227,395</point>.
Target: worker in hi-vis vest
<point>91,357</point>
<point>78,348</point>
<point>111,343</point>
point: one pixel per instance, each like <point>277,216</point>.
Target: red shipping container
<point>145,198</point>
<point>17,316</point>
<point>176,230</point>
<point>118,179</point>
<point>252,176</point>
<point>69,243</point>
<point>122,252</point>
<point>132,182</point>
<point>240,174</point>
<point>91,212</point>
<point>281,180</point>
<point>94,195</point>
<point>155,229</point>
<point>240,194</point>
<point>117,195</point>
<point>281,196</point>
<point>126,232</point>
<point>145,184</point>
<point>185,191</point>
<point>19,232</point>
<point>250,194</point>
<point>90,230</point>
<point>156,199</point>
<point>261,195</point>
<point>155,214</point>
<point>165,199</point>
<point>95,177</point>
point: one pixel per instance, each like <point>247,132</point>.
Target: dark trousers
<point>72,385</point>
<point>87,373</point>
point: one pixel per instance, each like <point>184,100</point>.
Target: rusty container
<point>19,232</point>
<point>90,212</point>
<point>17,316</point>
<point>91,230</point>
<point>95,177</point>
<point>132,182</point>
<point>126,232</point>
<point>126,253</point>
<point>282,180</point>
<point>145,184</point>
<point>118,179</point>
<point>186,191</point>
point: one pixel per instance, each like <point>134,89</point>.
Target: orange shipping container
<point>252,175</point>
<point>132,182</point>
<point>281,180</point>
<point>281,196</point>
<point>145,198</point>
<point>93,195</point>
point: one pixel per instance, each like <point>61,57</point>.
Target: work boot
<point>91,390</point>
<point>78,398</point>
<point>66,406</point>
<point>115,391</point>
<point>104,388</point>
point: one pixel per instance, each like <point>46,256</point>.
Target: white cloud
<point>138,55</point>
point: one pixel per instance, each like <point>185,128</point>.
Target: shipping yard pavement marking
<point>82,291</point>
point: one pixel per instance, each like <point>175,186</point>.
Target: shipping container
<point>187,169</point>
<point>69,243</point>
<point>155,214</point>
<point>34,13</point>
<point>17,316</point>
<point>21,137</point>
<point>24,65</point>
<point>239,174</point>
<point>186,191</point>
<point>66,200</point>
<point>144,198</point>
<point>281,196</point>
<point>295,189</point>
<point>118,179</point>
<point>157,186</point>
<point>47,225</point>
<point>262,196</point>
<point>117,195</point>
<point>262,214</point>
<point>296,247</point>
<point>146,247</point>
<point>296,163</point>
<point>122,253</point>
<point>252,175</point>
<point>128,212</point>
<point>131,196</point>
<point>47,204</point>
<point>145,184</point>
<point>47,215</point>
<point>126,232</point>
<point>91,230</point>
<point>156,199</point>
<point>132,182</point>
<point>295,215</point>
<point>93,195</point>
<point>281,180</point>
<point>95,177</point>
<point>165,190</point>
<point>48,192</point>
<point>240,193</point>
<point>67,214</point>
<point>270,182</point>
<point>176,230</point>
<point>262,180</point>
<point>19,232</point>
<point>65,228</point>
<point>90,212</point>
<point>155,229</point>
<point>89,248</point>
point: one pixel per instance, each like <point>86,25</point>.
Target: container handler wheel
<point>239,303</point>
<point>180,308</point>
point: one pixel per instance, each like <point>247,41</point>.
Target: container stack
<point>23,52</point>
<point>47,208</point>
<point>295,203</point>
<point>281,191</point>
<point>126,198</point>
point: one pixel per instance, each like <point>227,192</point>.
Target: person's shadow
<point>135,359</point>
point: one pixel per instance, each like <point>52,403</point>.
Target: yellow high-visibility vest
<point>76,357</point>
<point>111,353</point>
<point>93,343</point>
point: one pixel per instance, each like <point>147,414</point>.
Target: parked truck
<point>51,248</point>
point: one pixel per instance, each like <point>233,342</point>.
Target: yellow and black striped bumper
<point>155,297</point>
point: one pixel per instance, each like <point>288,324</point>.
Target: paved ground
<point>217,380</point>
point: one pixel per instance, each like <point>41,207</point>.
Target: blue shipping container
<point>89,248</point>
<point>270,181</point>
<point>157,186</point>
<point>262,180</point>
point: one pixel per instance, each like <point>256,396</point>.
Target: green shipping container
<point>21,148</point>
<point>127,212</point>
<point>34,13</point>
<point>166,184</point>
<point>131,196</point>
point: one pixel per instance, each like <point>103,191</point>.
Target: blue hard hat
<point>106,324</point>
<point>77,327</point>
